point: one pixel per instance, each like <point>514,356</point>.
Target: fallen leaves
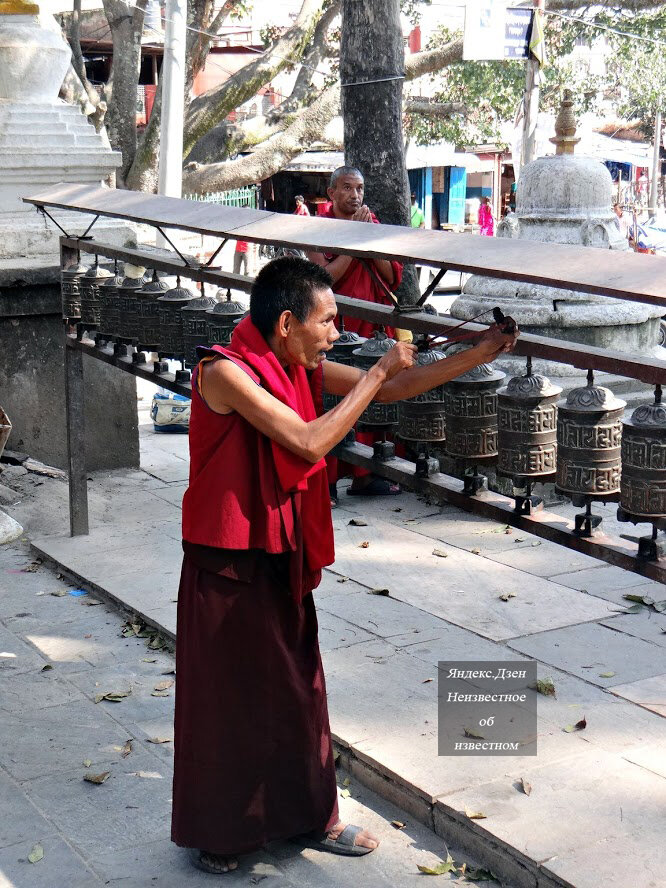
<point>342,579</point>
<point>524,786</point>
<point>164,685</point>
<point>357,522</point>
<point>579,726</point>
<point>475,551</point>
<point>33,567</point>
<point>87,763</point>
<point>470,733</point>
<point>505,596</point>
<point>126,749</point>
<point>384,592</point>
<point>149,659</point>
<point>363,545</point>
<point>398,824</point>
<point>440,553</point>
<point>475,815</point>
<point>97,778</point>
<point>112,696</point>
<point>439,869</point>
<point>544,686</point>
<point>344,793</point>
<point>158,740</point>
<point>606,674</point>
<point>46,668</point>
<point>642,602</point>
<point>36,854</point>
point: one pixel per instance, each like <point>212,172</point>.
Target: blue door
<point>457,193</point>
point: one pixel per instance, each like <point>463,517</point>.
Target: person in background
<point>240,257</point>
<point>621,220</point>
<point>486,220</point>
<point>417,217</point>
<point>301,209</point>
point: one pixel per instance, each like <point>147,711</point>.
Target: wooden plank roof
<point>624,275</point>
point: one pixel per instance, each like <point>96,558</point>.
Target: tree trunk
<point>371,84</point>
<point>126,23</point>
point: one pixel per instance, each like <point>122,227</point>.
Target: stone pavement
<point>59,651</point>
<point>595,815</point>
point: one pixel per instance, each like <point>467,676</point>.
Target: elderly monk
<point>253,755</point>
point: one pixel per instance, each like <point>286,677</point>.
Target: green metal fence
<point>236,197</point>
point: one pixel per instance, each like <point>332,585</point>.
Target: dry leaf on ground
<point>112,696</point>
<point>398,824</point>
<point>358,522</point>
<point>342,579</point>
<point>345,793</point>
<point>505,596</point>
<point>36,854</point>
<point>383,592</point>
<point>544,686</point>
<point>97,778</point>
<point>158,740</point>
<point>524,786</point>
<point>438,869</point>
<point>440,553</point>
<point>579,726</point>
<point>475,815</point>
<point>363,545</point>
<point>470,733</point>
<point>126,749</point>
<point>164,685</point>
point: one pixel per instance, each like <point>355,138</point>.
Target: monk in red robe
<point>253,755</point>
<point>367,280</point>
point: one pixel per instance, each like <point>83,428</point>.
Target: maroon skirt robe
<point>253,754</point>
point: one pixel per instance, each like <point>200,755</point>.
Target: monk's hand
<point>363,214</point>
<point>400,357</point>
<point>495,342</point>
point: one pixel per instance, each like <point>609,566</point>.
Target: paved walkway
<point>595,814</point>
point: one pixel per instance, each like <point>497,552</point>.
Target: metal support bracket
<point>214,256</point>
<point>174,247</point>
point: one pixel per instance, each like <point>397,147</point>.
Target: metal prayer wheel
<point>643,482</point>
<point>470,408</point>
<point>421,418</point>
<point>70,289</point>
<point>148,326</point>
<point>342,353</point>
<point>195,325</point>
<point>130,312</point>
<point>375,415</point>
<point>589,434</point>
<point>89,289</point>
<point>109,308</point>
<point>171,320</point>
<point>222,317</point>
<point>527,427</point>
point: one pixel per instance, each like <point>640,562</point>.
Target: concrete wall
<point>32,386</point>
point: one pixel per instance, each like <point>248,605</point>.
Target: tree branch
<point>211,107</point>
<point>630,5</point>
<point>434,109</point>
<point>430,60</point>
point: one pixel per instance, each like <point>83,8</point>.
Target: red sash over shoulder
<point>246,491</point>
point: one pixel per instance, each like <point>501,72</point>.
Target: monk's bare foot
<point>214,863</point>
<point>365,839</point>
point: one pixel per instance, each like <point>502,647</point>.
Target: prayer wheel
<point>421,418</point>
<point>470,408</point>
<point>342,353</point>
<point>222,317</point>
<point>171,319</point>
<point>643,482</point>
<point>375,415</point>
<point>70,289</point>
<point>130,311</point>
<point>148,328</point>
<point>89,288</point>
<point>589,434</point>
<point>195,325</point>
<point>109,308</point>
<point>527,427</point>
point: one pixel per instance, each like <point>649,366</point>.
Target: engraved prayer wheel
<point>222,317</point>
<point>70,289</point>
<point>470,408</point>
<point>171,320</point>
<point>422,418</point>
<point>89,288</point>
<point>527,427</point>
<point>643,482</point>
<point>375,415</point>
<point>148,327</point>
<point>128,304</point>
<point>589,434</point>
<point>109,307</point>
<point>195,325</point>
<point>342,353</point>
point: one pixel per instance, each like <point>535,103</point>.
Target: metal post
<point>654,178</point>
<point>74,419</point>
<point>173,89</point>
<point>531,101</point>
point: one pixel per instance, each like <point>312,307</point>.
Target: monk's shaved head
<point>343,171</point>
<point>286,284</point>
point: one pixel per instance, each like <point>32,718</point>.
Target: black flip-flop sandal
<point>344,844</point>
<point>377,487</point>
<point>196,859</point>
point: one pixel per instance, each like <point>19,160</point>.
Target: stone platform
<point>594,817</point>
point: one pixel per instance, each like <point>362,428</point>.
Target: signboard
<point>494,32</point>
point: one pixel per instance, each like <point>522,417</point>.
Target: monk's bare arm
<point>384,270</point>
<point>226,387</point>
<point>336,267</point>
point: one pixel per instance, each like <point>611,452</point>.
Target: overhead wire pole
<point>656,163</point>
<point>170,180</point>
<point>532,80</point>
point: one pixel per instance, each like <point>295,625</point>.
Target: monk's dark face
<point>307,343</point>
<point>347,195</point>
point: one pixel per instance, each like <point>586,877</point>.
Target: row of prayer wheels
<point>581,442</point>
<point>147,311</point>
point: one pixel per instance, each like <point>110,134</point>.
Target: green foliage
<point>412,9</point>
<point>636,68</point>
<point>492,91</point>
